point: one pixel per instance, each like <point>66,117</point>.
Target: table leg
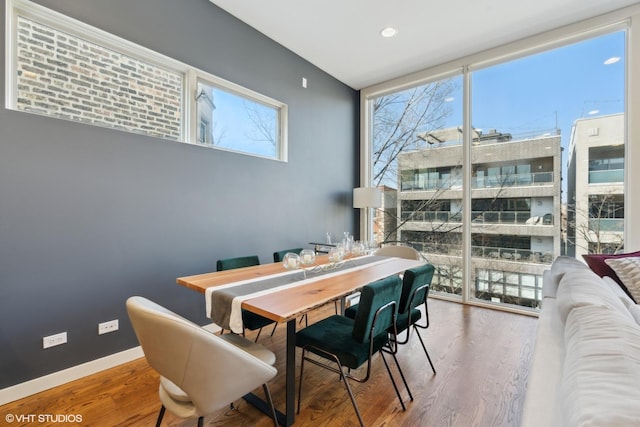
<point>287,419</point>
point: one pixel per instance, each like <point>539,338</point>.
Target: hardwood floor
<point>481,356</point>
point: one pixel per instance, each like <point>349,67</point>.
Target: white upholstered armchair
<point>200,372</point>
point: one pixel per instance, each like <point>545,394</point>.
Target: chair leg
<point>300,382</point>
<point>258,336</point>
<point>351,396</point>
<point>342,376</point>
<point>306,322</point>
<point>160,416</point>
<point>395,387</point>
<point>267,394</point>
<point>274,328</point>
<point>200,421</point>
<point>425,350</point>
<point>404,380</point>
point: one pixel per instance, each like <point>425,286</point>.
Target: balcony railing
<point>487,252</point>
<point>431,216</point>
<point>509,254</point>
<point>606,224</point>
<point>601,177</point>
<point>481,217</point>
<point>432,185</point>
<point>512,180</point>
<point>500,217</point>
<point>492,181</point>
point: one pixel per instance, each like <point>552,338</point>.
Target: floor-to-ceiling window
<point>488,172</point>
<point>417,161</point>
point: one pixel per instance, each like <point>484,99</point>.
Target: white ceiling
<point>342,37</point>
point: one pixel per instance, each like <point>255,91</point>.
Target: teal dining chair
<point>250,320</point>
<point>416,283</point>
<point>350,343</point>
<point>238,262</point>
<point>279,255</point>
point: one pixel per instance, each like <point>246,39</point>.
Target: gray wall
<point>90,216</point>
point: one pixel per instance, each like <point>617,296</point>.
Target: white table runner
<point>223,303</point>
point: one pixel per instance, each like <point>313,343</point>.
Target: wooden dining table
<point>288,304</point>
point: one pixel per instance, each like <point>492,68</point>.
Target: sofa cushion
<point>628,271</point>
<point>597,263</point>
<point>579,288</point>
<point>634,309</point>
<point>552,277</point>
<point>601,371</point>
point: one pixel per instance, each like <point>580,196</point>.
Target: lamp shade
<point>367,197</point>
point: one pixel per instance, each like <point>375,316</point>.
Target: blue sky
<point>551,89</point>
<point>524,97</point>
<point>234,128</point>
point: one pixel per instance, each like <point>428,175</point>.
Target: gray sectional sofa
<point>585,367</point>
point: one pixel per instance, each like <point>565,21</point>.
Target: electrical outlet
<point>106,327</point>
<point>53,340</point>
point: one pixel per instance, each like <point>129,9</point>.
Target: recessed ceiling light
<point>388,32</point>
<point>592,112</point>
<point>612,60</point>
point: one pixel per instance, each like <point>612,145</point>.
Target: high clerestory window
<point>59,67</point>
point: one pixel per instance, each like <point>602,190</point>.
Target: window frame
<point>621,19</point>
<point>195,76</point>
<point>73,27</point>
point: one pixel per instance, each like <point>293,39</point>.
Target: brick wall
<point>64,76</point>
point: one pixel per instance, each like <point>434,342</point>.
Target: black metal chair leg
<point>404,380</point>
<point>200,421</point>
<point>425,351</point>
<point>160,415</point>
<point>274,328</point>
<point>352,397</point>
<point>395,387</point>
<point>258,336</point>
<point>300,383</point>
<point>267,394</point>
<point>306,322</point>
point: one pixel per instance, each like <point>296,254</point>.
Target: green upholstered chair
<point>250,320</point>
<point>279,256</point>
<point>342,342</point>
<point>416,283</point>
<point>239,262</point>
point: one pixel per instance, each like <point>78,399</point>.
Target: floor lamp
<point>367,198</point>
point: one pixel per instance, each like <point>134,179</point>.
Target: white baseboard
<point>36,385</point>
<point>55,379</point>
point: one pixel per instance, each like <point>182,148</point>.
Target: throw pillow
<point>597,263</point>
<point>628,270</point>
